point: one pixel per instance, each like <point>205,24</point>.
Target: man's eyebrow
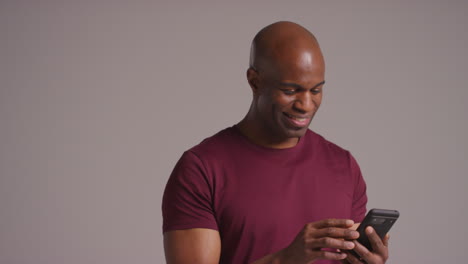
<point>298,86</point>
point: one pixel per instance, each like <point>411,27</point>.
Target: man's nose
<point>304,103</point>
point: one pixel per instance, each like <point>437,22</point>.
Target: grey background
<point>99,99</point>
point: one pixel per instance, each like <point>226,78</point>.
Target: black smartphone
<point>381,220</point>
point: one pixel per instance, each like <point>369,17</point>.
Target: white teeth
<point>298,118</point>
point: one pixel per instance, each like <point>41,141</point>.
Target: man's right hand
<point>308,244</point>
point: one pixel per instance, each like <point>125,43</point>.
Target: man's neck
<point>258,136</point>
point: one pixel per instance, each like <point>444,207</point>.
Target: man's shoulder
<point>327,147</point>
<point>215,144</point>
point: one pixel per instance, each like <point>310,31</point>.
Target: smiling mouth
<point>298,121</point>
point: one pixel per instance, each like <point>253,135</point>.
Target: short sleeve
<point>358,210</point>
<point>187,200</point>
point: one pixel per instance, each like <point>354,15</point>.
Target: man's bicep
<point>197,245</point>
<point>358,210</point>
<point>188,197</point>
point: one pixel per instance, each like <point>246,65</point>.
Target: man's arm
<point>197,245</point>
<point>200,245</point>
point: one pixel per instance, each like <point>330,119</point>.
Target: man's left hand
<point>379,255</point>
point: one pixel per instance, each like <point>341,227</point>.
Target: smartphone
<point>381,220</point>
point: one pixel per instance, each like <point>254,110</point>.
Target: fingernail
<point>349,245</point>
<point>369,230</point>
<point>355,234</point>
<point>349,222</point>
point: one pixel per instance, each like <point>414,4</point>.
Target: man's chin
<point>296,132</point>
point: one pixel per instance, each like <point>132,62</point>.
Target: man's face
<point>290,95</point>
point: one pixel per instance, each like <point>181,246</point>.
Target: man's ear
<point>253,79</point>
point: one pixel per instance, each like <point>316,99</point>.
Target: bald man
<point>269,189</point>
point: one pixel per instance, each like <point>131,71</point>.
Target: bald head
<point>286,75</point>
<point>283,43</point>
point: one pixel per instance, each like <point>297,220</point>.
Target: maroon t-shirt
<point>260,198</point>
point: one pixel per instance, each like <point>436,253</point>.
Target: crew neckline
<point>252,145</point>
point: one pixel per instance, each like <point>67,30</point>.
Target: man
<point>269,190</point>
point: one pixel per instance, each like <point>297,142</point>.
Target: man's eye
<point>289,92</point>
<point>316,91</point>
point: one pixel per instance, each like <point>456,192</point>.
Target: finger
<point>331,255</point>
<point>352,259</point>
<point>385,240</point>
<point>377,244</point>
<point>336,232</point>
<point>346,223</point>
<point>362,251</point>
<point>328,242</point>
